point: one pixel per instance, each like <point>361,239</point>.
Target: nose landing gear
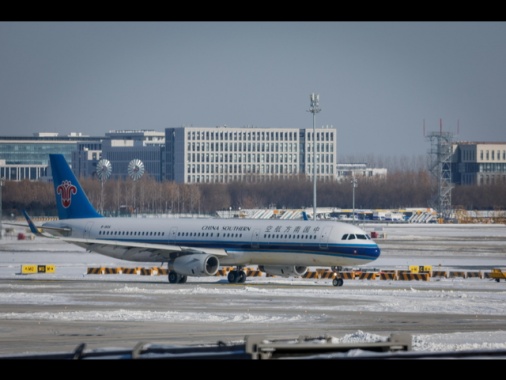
<point>337,280</point>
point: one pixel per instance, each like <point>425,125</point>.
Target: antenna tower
<point>441,152</point>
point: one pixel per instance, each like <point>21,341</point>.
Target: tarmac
<point>58,312</point>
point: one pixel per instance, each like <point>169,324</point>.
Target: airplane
<point>199,247</point>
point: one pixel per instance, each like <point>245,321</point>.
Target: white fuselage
<point>234,241</point>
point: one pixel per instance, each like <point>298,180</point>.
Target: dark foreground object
<point>397,346</point>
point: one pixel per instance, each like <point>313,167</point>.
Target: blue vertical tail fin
<point>71,199</point>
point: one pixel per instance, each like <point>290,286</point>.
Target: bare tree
<point>401,188</point>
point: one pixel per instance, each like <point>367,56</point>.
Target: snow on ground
<point>445,295</point>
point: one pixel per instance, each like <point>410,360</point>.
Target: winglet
<point>32,226</point>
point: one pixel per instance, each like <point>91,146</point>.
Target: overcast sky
<point>379,82</point>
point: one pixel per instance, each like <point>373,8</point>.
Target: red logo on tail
<point>66,189</point>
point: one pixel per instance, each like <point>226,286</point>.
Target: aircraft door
<point>87,230</point>
<point>172,235</point>
<point>255,237</point>
<point>324,237</point>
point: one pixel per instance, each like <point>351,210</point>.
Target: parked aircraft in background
<point>199,247</point>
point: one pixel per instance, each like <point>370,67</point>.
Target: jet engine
<point>283,270</point>
<point>196,265</point>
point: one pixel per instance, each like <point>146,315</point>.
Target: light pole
<point>1,212</point>
<point>314,108</point>
<point>354,183</point>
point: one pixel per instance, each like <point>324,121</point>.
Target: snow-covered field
<point>447,247</point>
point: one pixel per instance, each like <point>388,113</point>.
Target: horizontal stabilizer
<point>37,231</point>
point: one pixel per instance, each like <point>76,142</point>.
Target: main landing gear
<point>236,276</point>
<point>337,280</point>
<point>176,278</point>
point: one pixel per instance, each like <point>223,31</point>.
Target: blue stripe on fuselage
<point>361,251</point>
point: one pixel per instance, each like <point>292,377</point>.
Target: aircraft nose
<point>376,250</point>
<point>373,251</point>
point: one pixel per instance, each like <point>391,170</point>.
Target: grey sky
<point>379,82</point>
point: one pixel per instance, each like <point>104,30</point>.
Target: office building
<point>27,157</point>
<point>225,154</point>
<point>478,163</point>
<point>120,147</point>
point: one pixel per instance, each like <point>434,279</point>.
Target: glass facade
<point>27,158</point>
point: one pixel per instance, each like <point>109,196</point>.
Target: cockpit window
<point>362,237</point>
<point>351,237</point>
<point>345,236</point>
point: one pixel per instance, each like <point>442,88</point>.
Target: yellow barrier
<point>318,274</point>
<point>144,271</point>
<point>309,274</point>
<point>474,275</point>
<point>367,276</point>
<point>388,275</point>
<point>347,275</point>
<point>327,274</point>
<point>439,273</point>
<point>413,276</point>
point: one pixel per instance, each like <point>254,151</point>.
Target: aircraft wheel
<point>232,276</point>
<point>242,277</point>
<point>338,282</point>
<point>182,279</point>
<point>173,277</point>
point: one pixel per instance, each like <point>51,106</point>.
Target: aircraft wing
<point>40,230</point>
<point>37,229</point>
<point>139,251</point>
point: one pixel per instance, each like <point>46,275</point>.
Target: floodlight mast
<point>314,108</point>
<point>354,184</point>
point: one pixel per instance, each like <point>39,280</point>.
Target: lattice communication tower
<point>441,152</point>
